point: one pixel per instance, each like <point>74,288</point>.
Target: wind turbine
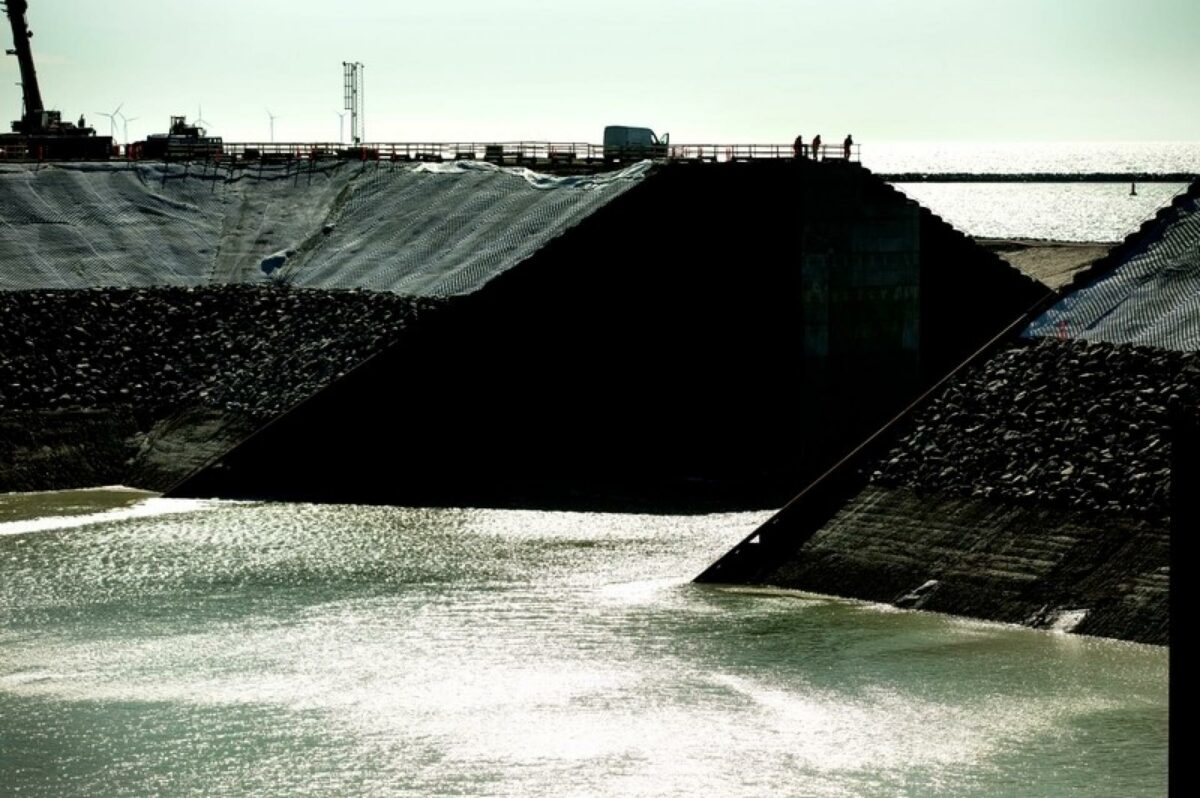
<point>272,117</point>
<point>125,124</point>
<point>341,115</point>
<point>112,120</point>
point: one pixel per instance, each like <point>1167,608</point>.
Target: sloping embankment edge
<point>1090,573</point>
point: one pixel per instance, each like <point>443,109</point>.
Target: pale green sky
<point>706,71</point>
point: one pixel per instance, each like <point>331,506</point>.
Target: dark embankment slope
<point>1089,572</point>
<point>1033,489</point>
<point>1047,484</point>
<point>711,338</point>
<point>142,386</point>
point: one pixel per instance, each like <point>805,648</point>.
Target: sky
<point>734,71</point>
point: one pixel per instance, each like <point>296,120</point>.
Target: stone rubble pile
<point>253,350</point>
<point>1063,423</point>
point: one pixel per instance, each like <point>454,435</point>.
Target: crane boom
<point>41,134</point>
<point>32,120</point>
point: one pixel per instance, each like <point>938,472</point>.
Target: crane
<point>41,133</point>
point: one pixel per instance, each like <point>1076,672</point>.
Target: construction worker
<point>798,147</point>
<point>816,147</point>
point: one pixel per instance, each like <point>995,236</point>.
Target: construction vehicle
<point>622,143</point>
<point>41,134</point>
<point>182,142</point>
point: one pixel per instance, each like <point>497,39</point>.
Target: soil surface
<point>1052,262</point>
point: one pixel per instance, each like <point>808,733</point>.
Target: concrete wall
<point>861,284</point>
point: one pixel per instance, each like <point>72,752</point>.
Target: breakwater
<point>647,358</point>
<point>1039,177</point>
<point>115,365</point>
<point>1035,488</point>
<point>1067,424</point>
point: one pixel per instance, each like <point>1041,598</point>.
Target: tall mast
<point>353,72</point>
<point>31,121</point>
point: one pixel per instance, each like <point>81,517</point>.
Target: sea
<point>155,647</point>
<point>1065,211</point>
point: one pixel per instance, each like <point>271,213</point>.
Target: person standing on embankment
<point>816,147</point>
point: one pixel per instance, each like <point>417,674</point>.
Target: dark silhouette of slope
<point>714,337</point>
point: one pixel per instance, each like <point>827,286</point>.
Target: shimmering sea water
<point>169,648</point>
<point>1054,211</point>
<point>1067,157</point>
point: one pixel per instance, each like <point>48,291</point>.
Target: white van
<point>623,143</point>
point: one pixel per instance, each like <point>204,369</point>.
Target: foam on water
<point>148,508</point>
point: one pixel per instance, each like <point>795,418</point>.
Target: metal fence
<point>533,151</point>
<point>508,153</point>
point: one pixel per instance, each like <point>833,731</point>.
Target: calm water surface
<point>1052,211</point>
<point>262,650</point>
<point>1029,157</point>
<point>1055,211</point>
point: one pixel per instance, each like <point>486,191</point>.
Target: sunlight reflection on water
<point>281,649</point>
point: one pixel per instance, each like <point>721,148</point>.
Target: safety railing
<point>752,152</point>
<point>412,151</point>
<point>440,151</point>
<point>532,151</point>
<point>507,153</point>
